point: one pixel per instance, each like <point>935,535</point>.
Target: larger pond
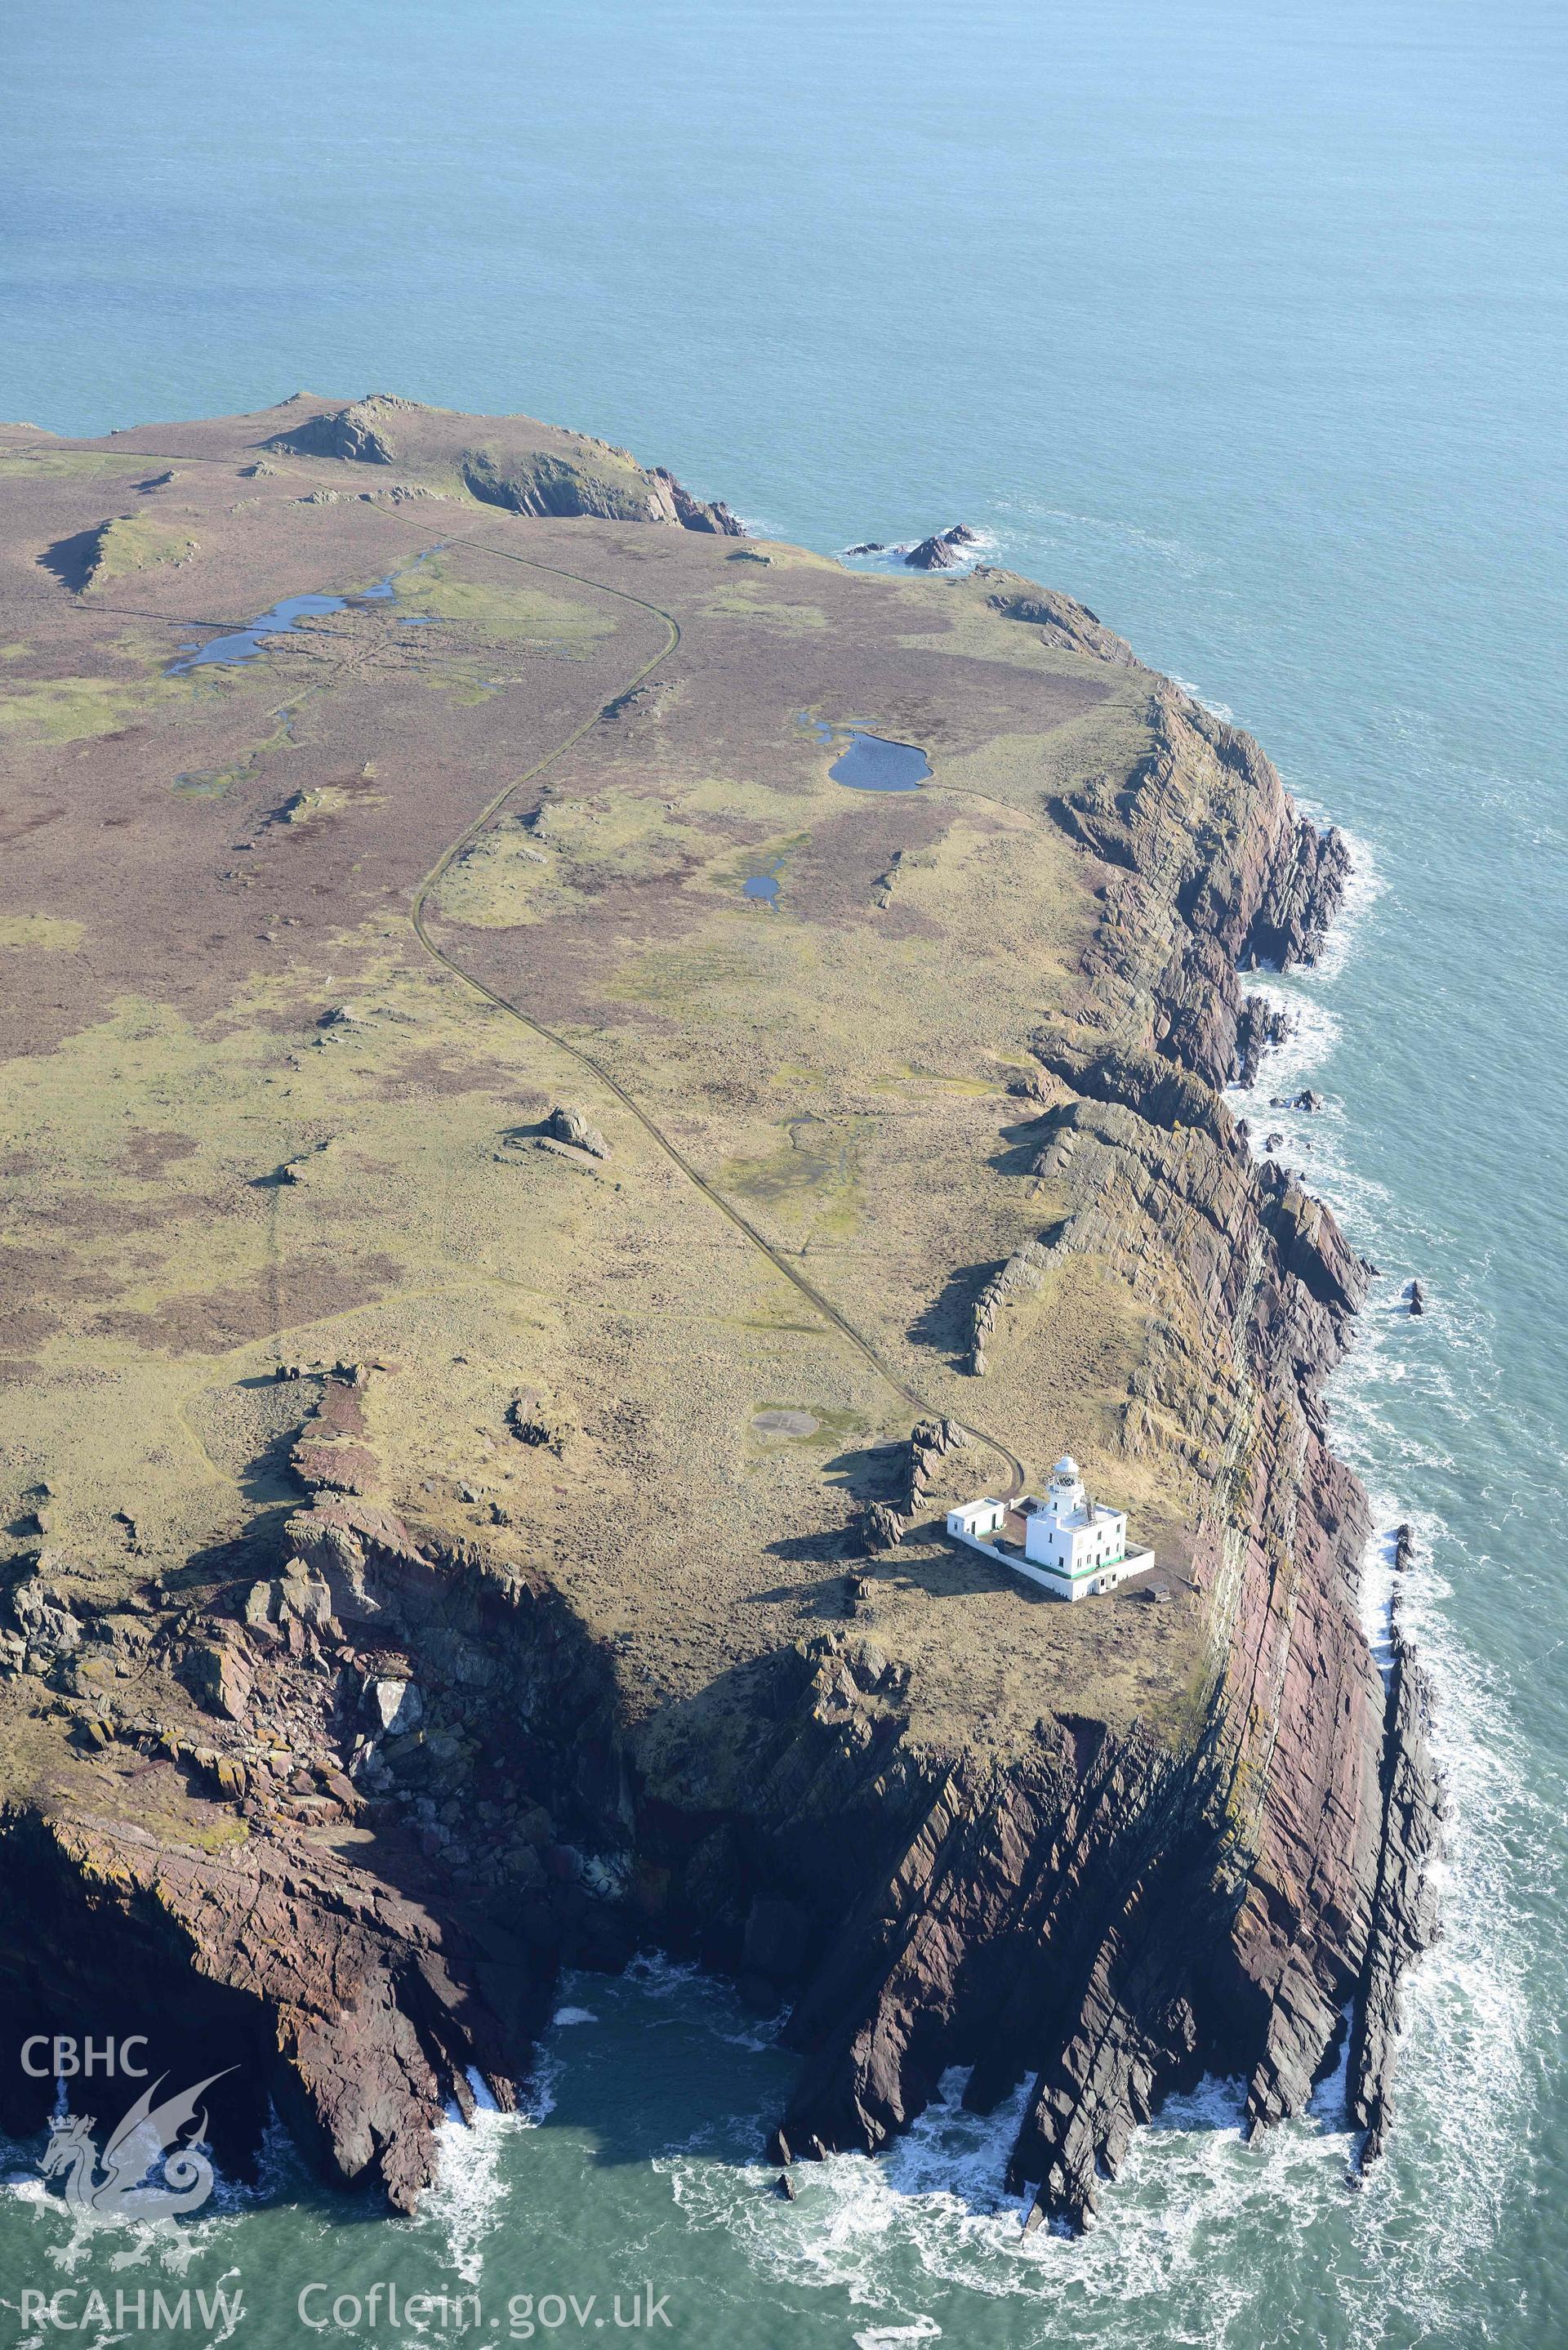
<point>871,763</point>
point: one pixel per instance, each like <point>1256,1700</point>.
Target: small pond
<point>870,763</point>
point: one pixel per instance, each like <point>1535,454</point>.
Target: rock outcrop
<point>531,469</point>
<point>943,550</point>
<point>1404,1912</point>
<point>1260,1026</point>
<point>544,484</point>
<point>1066,626</point>
<point>357,433</point>
<point>570,1125</point>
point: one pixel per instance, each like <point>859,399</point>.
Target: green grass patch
<point>130,544</point>
<point>41,932</point>
<point>510,615</point>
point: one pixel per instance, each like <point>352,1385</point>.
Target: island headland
<point>530,1197</point>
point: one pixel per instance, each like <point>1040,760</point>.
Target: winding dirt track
<point>726,1207</point>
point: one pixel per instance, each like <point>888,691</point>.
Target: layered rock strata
<point>1112,1917</point>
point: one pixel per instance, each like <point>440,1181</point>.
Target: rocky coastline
<point>1105,1916</point>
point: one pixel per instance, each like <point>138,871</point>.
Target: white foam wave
<point>1220,710</point>
<point>1433,2206</point>
<point>932,2216</point>
<point>471,2192</point>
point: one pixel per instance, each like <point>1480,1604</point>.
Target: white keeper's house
<point>1071,1546</point>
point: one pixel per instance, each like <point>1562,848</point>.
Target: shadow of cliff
<point>947,1322</point>
<point>71,560</point>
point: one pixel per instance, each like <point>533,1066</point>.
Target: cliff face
<point>1107,1916</point>
<point>353,1982</point>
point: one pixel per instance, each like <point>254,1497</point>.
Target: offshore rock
<point>943,550</point>
<point>1404,1919</point>
<point>1259,1027</point>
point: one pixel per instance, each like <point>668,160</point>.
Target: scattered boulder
<point>395,1707</point>
<point>869,1664</point>
<point>525,1417</point>
<point>570,1125</point>
<point>1404,1546</point>
<point>218,1677</point>
<point>783,2187</point>
<point>881,1528</point>
<point>43,1619</point>
<point>304,1597</point>
<point>867,546</point>
<point>1416,1295</point>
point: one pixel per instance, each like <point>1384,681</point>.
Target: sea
<point>1246,325</point>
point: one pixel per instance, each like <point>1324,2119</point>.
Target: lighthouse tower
<point>1065,1494</point>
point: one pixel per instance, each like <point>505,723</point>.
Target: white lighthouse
<point>1070,1534</point>
<point>1071,1545</point>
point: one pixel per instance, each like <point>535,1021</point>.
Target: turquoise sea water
<point>1247,326</point>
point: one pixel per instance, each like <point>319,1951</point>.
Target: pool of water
<point>871,763</point>
<point>245,644</point>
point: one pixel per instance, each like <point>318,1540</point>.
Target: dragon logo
<point>117,2183</point>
